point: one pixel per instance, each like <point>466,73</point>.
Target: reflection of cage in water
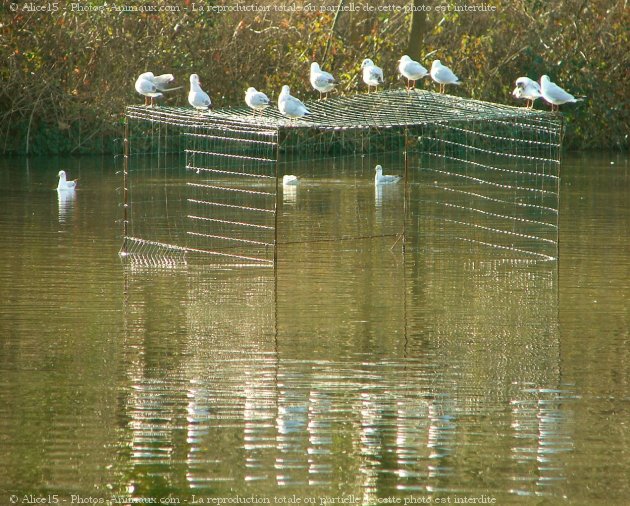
<point>477,173</point>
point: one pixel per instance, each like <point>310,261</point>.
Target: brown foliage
<point>68,74</point>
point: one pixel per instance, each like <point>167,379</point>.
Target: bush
<point>69,74</point>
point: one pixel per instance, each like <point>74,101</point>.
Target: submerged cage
<point>480,174</point>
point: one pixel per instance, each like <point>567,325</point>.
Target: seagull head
<point>405,58</point>
<point>379,169</point>
<point>367,63</point>
<point>146,75</point>
<point>436,64</point>
<point>544,79</point>
<point>315,67</point>
<point>251,89</point>
<point>194,79</point>
<point>62,173</point>
<point>285,90</point>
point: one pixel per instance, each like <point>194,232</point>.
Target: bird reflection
<point>289,194</point>
<point>66,200</point>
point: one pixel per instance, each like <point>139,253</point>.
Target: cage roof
<point>389,108</point>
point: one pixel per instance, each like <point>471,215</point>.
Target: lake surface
<point>355,372</point>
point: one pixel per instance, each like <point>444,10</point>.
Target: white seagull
<point>256,100</point>
<point>152,86</point>
<point>322,81</point>
<point>553,94</point>
<point>411,70</point>
<point>289,180</point>
<point>528,89</point>
<point>145,85</point>
<point>291,106</point>
<point>198,98</point>
<point>379,178</point>
<point>372,75</point>
<point>64,184</point>
<point>442,75</point>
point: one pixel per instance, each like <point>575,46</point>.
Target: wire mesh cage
<point>474,173</point>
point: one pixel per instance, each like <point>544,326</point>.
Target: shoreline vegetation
<point>69,69</point>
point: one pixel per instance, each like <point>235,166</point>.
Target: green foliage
<point>68,75</point>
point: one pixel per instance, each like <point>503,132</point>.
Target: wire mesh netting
<point>477,174</point>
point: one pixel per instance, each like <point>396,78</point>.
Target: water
<point>353,372</point>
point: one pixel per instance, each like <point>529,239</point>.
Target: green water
<point>355,371</point>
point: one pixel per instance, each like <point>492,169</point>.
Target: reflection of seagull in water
<point>64,184</point>
<point>66,203</point>
<point>379,178</point>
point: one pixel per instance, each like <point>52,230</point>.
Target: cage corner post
<point>405,188</point>
<point>126,189</point>
<point>279,139</point>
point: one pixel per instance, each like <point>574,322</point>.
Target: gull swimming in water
<point>256,100</point>
<point>528,89</point>
<point>379,178</point>
<point>291,106</point>
<point>443,75</point>
<point>553,94</point>
<point>152,86</point>
<point>411,70</point>
<point>322,81</point>
<point>64,184</point>
<point>198,98</point>
<point>289,180</point>
<point>372,75</point>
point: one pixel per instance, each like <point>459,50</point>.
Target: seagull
<point>152,86</point>
<point>553,94</point>
<point>442,75</point>
<point>255,99</point>
<point>198,98</point>
<point>322,81</point>
<point>372,75</point>
<point>145,85</point>
<point>411,70</point>
<point>291,106</point>
<point>379,178</point>
<point>528,89</point>
<point>65,185</point>
<point>289,180</point>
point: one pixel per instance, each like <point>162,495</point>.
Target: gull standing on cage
<point>443,75</point>
<point>322,81</point>
<point>528,89</point>
<point>411,70</point>
<point>198,98</point>
<point>555,95</point>
<point>152,86</point>
<point>256,100</point>
<point>372,75</point>
<point>290,106</point>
